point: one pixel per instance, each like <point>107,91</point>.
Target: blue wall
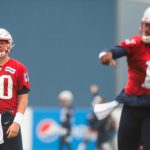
<point>59,42</point>
<point>46,132</point>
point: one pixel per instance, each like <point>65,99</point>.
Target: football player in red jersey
<point>134,127</point>
<point>14,88</point>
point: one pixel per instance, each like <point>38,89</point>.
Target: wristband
<point>101,54</point>
<point>18,118</point>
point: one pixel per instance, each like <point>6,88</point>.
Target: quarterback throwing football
<point>134,127</point>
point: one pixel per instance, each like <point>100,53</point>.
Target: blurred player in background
<point>102,131</point>
<point>134,127</point>
<point>66,98</point>
<point>14,88</point>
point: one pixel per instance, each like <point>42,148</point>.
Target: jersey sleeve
<point>23,79</point>
<point>131,44</point>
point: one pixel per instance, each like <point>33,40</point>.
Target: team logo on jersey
<point>11,70</point>
<point>26,77</point>
<point>130,41</point>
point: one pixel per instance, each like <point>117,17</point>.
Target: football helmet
<point>5,48</point>
<point>145,26</point>
<point>66,96</point>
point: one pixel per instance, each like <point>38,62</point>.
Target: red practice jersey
<point>138,58</point>
<point>13,78</point>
